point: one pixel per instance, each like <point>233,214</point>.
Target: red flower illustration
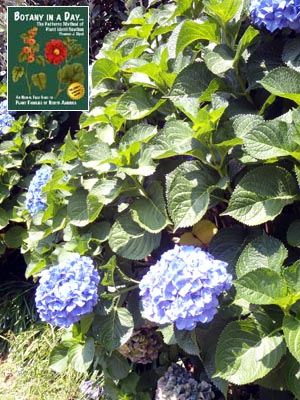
<point>55,51</point>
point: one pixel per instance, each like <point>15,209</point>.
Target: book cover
<point>48,58</point>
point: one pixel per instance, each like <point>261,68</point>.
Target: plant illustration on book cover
<point>49,71</point>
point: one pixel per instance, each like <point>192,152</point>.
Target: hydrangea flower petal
<point>34,198</point>
<point>183,286</point>
<point>67,291</point>
<point>278,14</point>
<point>6,118</point>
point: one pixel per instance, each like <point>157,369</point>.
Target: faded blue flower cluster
<point>67,291</point>
<point>6,118</point>
<point>183,286</point>
<point>276,14</point>
<point>35,200</point>
<point>90,390</point>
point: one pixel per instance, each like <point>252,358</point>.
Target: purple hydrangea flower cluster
<point>67,291</point>
<point>34,199</point>
<point>183,286</point>
<point>6,118</point>
<point>276,14</point>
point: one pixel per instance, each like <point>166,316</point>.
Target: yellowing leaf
<point>204,230</point>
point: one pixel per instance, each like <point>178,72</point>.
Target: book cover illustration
<point>48,58</point>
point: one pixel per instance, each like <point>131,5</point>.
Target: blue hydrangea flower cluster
<point>35,200</point>
<point>6,118</point>
<point>67,291</point>
<point>276,14</point>
<point>183,286</point>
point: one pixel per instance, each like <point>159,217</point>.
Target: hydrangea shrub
<point>194,117</point>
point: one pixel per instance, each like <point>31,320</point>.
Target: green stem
<point>27,80</point>
<point>126,290</point>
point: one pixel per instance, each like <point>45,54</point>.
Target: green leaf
<point>86,322</point>
<point>283,82</point>
<point>228,243</point>
<point>188,188</point>
<point>218,59</point>
<point>270,140</point>
<point>262,286</point>
<point>242,124</point>
<point>291,53</point>
<point>246,40</point>
<point>189,85</point>
<point>175,138</point>
<point>81,356</point>
<point>257,198</point>
<point>137,103</point>
<point>291,330</point>
<point>117,366</point>
<point>140,133</point>
<point>70,149</point>
<point>224,10</point>
<point>191,31</point>
<point>293,233</point>
<point>149,214</point>
<point>106,190</point>
<point>129,240</point>
<point>4,220</point>
<point>244,354</point>
<point>291,275</point>
<point>39,80</point>
<point>168,334</point>
<point>14,236</point>
<point>77,208</point>
<point>187,341</point>
<point>58,361</point>
<point>103,69</point>
<point>113,329</point>
<point>292,376</point>
<point>263,252</point>
<point>17,73</point>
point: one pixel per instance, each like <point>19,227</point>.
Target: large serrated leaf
<point>113,329</point>
<point>243,354</point>
<point>219,59</point>
<point>292,375</point>
<point>191,31</point>
<point>228,244</point>
<point>269,140</point>
<point>246,40</point>
<point>224,10</point>
<point>81,356</point>
<point>175,138</point>
<point>150,213</point>
<point>293,233</point>
<point>263,252</point>
<point>103,69</point>
<point>188,188</point>
<point>242,124</point>
<point>257,198</point>
<point>291,275</point>
<point>189,85</point>
<point>291,53</point>
<point>262,286</point>
<point>137,103</point>
<point>187,341</point>
<point>130,241</point>
<point>291,330</point>
<point>106,189</point>
<point>77,208</point>
<point>283,82</point>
